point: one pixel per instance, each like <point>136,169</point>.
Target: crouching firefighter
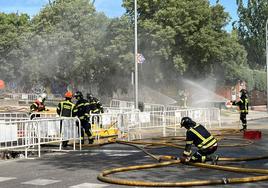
<point>198,135</point>
<point>82,107</point>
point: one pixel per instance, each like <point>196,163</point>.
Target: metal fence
<point>137,125</point>
<point>17,132</point>
<point>13,116</point>
<point>130,105</point>
<point>33,133</point>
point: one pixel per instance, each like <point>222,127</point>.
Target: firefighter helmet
<point>187,122</point>
<point>68,94</point>
<point>243,91</point>
<point>89,96</point>
<point>78,94</point>
<point>43,96</point>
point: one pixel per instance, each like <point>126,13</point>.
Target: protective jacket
<point>243,104</point>
<point>95,106</point>
<point>82,107</point>
<point>200,137</point>
<point>37,106</point>
<point>66,109</point>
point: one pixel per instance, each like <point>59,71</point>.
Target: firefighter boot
<point>244,127</point>
<point>90,141</point>
<point>82,141</point>
<point>213,158</point>
<point>64,144</point>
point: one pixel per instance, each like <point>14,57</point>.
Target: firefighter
<point>83,110</point>
<point>38,106</point>
<point>198,135</point>
<point>95,106</point>
<point>243,108</point>
<point>66,109</point>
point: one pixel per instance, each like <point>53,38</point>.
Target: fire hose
<point>171,160</point>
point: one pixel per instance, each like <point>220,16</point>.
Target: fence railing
<point>31,133</point>
<point>135,124</point>
<point>123,125</point>
<point>13,116</point>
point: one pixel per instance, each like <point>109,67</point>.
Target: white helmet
<point>39,99</point>
<point>43,96</point>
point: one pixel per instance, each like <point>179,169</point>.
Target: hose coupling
<point>225,180</point>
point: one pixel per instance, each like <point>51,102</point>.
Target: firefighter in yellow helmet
<point>198,135</point>
<point>66,109</point>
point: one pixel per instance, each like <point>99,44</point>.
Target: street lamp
<point>136,55</point>
<point>266,42</point>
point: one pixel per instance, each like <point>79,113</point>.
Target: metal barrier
<point>31,133</point>
<point>163,123</point>
<point>43,115</point>
<point>125,125</point>
<point>130,105</point>
<point>14,116</point>
<point>104,125</point>
<point>29,96</point>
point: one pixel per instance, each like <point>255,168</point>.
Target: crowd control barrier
<point>138,125</point>
<point>33,133</point>
<point>14,116</point>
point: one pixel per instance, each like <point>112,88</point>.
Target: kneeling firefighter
<point>198,135</point>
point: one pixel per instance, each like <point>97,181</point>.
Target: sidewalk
<point>231,117</point>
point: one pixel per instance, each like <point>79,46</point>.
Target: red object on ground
<point>2,84</point>
<point>252,134</point>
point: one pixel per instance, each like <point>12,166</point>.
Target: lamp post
<point>266,42</point>
<point>136,55</point>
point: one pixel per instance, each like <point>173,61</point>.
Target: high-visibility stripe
<point>205,141</point>
<point>203,158</point>
<point>197,134</point>
<point>210,144</point>
<point>187,153</point>
<point>189,142</point>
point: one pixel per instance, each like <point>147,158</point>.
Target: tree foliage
<point>187,38</point>
<point>12,30</point>
<point>68,43</point>
<point>251,29</point>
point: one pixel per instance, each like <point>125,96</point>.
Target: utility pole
<point>136,55</point>
<point>266,42</point>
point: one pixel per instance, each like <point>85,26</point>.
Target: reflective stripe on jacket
<point>200,137</point>
<point>66,109</point>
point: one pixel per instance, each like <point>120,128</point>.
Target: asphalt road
<point>79,169</point>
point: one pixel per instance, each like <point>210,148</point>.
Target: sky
<point>112,8</point>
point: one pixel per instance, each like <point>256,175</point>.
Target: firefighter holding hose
<point>242,103</point>
<point>198,135</point>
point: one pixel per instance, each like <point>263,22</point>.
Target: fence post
<point>39,137</point>
<point>164,123</point>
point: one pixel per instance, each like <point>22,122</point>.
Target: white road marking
<point>6,178</point>
<point>89,185</point>
<point>114,151</point>
<point>41,182</point>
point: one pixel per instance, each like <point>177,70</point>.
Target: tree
<point>65,44</point>
<point>251,30</point>
<point>12,31</point>
<point>185,38</point>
